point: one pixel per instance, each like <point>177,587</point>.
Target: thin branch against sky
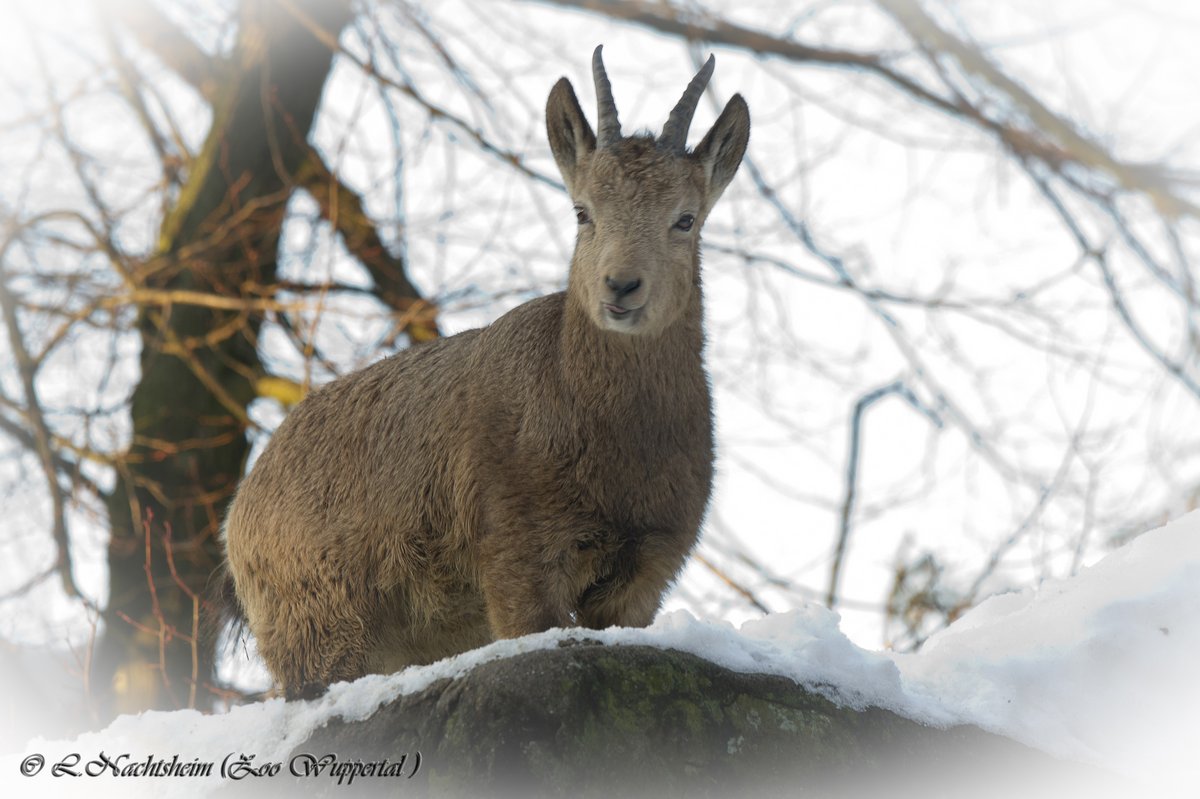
<point>910,207</point>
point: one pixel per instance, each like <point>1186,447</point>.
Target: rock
<point>593,720</point>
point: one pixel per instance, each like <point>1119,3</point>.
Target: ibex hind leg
<point>524,600</point>
<point>420,627</point>
<point>630,594</point>
<point>307,654</point>
<point>621,603</point>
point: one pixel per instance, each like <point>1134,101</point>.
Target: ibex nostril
<point>622,289</point>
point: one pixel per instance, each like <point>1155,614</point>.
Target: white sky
<point>887,185</point>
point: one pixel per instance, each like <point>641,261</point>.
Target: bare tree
<point>212,207</point>
<point>1133,226</point>
<point>199,297</point>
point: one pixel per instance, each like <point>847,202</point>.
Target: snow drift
<point>1100,668</point>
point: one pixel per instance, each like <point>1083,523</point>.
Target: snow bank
<point>1104,668</point>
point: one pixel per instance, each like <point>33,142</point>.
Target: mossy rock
<point>592,720</point>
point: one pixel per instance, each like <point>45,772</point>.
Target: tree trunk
<point>199,365</point>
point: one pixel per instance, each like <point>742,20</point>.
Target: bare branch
<point>174,48</point>
<point>24,588</point>
<point>343,208</point>
<point>1049,136</point>
<point>41,433</point>
<point>852,460</point>
<point>436,111</point>
<point>130,82</point>
<point>66,468</point>
<point>741,590</point>
<point>690,26</point>
<point>1099,256</point>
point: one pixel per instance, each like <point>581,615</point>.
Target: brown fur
<point>549,470</point>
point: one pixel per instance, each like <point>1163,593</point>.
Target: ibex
<point>549,470</point>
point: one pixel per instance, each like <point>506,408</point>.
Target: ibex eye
<point>581,215</point>
<point>685,222</point>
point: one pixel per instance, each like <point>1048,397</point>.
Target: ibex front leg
<point>629,593</point>
<point>566,569</point>
<point>532,577</point>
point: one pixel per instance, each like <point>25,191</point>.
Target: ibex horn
<point>609,127</point>
<point>674,135</point>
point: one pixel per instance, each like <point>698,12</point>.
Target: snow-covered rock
<point>1102,668</point>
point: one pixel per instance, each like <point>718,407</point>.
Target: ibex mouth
<point>621,315</point>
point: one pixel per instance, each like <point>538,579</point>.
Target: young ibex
<point>549,470</point>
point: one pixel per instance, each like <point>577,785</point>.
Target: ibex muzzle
<point>548,470</point>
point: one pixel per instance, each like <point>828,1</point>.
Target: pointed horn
<point>608,126</point>
<point>674,135</point>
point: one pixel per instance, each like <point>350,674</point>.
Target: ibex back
<point>549,470</point>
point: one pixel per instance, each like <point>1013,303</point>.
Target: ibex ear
<point>721,150</point>
<point>571,137</point>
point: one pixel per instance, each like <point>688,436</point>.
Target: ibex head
<point>640,201</point>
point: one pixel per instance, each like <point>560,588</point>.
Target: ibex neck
<point>616,370</point>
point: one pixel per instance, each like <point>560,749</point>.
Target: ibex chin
<point>549,470</point>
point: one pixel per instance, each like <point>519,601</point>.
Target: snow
<point>1101,668</point>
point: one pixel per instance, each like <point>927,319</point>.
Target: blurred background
<point>952,312</point>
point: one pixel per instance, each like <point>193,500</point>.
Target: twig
<point>194,639</point>
<point>724,577</point>
<point>41,432</point>
<point>1099,257</point>
<point>852,461</point>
